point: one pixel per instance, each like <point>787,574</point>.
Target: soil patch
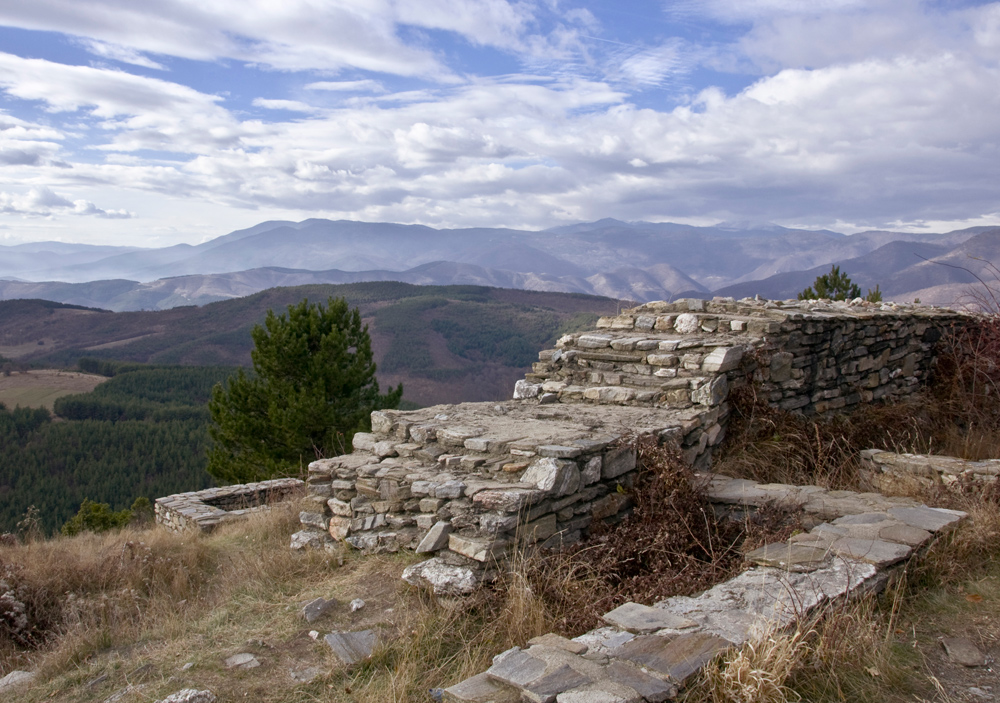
<point>41,388</point>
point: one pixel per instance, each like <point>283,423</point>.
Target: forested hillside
<point>141,433</point>
<point>144,431</point>
<point>443,343</point>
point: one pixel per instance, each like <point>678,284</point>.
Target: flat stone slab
<point>649,687</point>
<point>962,650</point>
<point>351,647</point>
<point>480,689</point>
<point>642,619</point>
<point>600,692</point>
<point>545,688</point>
<point>677,658</point>
<point>930,519</point>
<point>790,556</point>
<point>516,668</point>
<point>559,642</point>
<point>874,551</point>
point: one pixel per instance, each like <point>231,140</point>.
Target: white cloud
<point>291,35</point>
<point>290,105</point>
<point>365,86</point>
<point>119,53</point>
<point>43,202</point>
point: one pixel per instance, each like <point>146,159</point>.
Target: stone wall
<point>205,510</point>
<point>466,483</point>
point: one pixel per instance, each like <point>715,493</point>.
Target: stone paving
<point>648,653</point>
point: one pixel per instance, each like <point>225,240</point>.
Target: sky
<point>128,122</point>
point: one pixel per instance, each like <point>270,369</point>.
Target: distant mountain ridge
<point>637,261</point>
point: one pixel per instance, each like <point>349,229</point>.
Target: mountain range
<point>637,261</point>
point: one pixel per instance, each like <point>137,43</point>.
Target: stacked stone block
<point>815,357</point>
<point>469,483</point>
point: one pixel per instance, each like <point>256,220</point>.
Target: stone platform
<point>466,483</point>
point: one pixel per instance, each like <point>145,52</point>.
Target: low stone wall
<point>205,510</point>
<point>927,469</point>
<point>648,653</point>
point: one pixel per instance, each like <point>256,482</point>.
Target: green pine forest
<point>141,433</point>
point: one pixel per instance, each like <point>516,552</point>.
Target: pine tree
<point>312,387</point>
<point>833,286</point>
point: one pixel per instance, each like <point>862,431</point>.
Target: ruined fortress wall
<point>466,483</point>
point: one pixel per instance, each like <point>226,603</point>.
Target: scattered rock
<point>304,675</point>
<point>16,679</point>
<point>441,578</point>
<point>961,650</point>
<point>314,609</point>
<point>356,605</point>
<point>190,695</point>
<point>306,538</point>
<point>243,660</point>
<point>351,647</point>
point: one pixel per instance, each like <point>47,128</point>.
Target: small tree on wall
<point>838,286</point>
<point>312,387</point>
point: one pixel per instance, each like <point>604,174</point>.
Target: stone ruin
<point>466,484</point>
<point>205,510</point>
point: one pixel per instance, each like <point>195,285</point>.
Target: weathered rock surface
<point>351,647</point>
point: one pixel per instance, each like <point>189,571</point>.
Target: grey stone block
<point>315,609</point>
<point>480,689</point>
<point>649,687</point>
<point>351,647</point>
<point>642,619</point>
<point>435,539</point>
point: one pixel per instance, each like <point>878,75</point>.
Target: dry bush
<point>672,544</point>
<point>769,445</point>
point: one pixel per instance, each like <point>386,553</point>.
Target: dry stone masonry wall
<point>205,510</point>
<point>467,483</point>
